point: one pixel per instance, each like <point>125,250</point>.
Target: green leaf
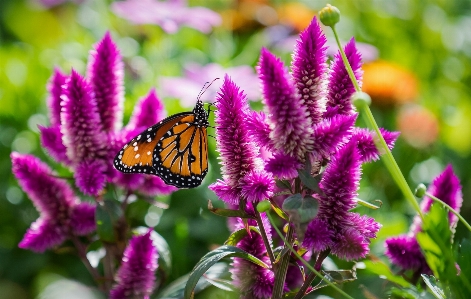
<point>228,212</point>
<point>176,289</point>
<point>308,181</point>
<point>431,282</point>
<point>106,215</point>
<point>367,204</point>
<point>283,184</point>
<point>222,284</point>
<point>212,258</point>
<point>236,236</point>
<point>279,211</point>
<point>301,209</point>
<point>380,268</point>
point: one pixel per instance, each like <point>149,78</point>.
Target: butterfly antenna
<point>205,87</point>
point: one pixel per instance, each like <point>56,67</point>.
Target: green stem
<point>282,269</point>
<point>450,209</point>
<point>304,261</point>
<point>310,278</point>
<point>381,144</point>
<point>264,234</point>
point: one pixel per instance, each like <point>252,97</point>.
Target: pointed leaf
<point>301,209</point>
<point>367,204</point>
<point>336,277</point>
<point>380,268</point>
<point>279,211</point>
<point>431,282</point>
<point>236,236</point>
<point>212,258</point>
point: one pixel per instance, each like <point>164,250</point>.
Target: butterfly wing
<point>175,149</point>
<point>182,159</point>
<point>138,155</point>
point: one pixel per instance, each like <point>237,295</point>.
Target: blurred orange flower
<point>418,126</point>
<point>389,84</point>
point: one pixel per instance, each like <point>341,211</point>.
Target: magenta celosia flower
<point>81,125</point>
<point>60,210</point>
<point>86,119</point>
<point>290,128</point>
<point>252,280</point>
<point>283,167</point>
<point>350,233</point>
<point>136,276</point>
<point>148,111</point>
<point>404,251</point>
<point>256,185</point>
<point>105,73</point>
<point>237,153</point>
<point>170,15</point>
<point>309,69</point>
<point>330,134</point>
<point>259,130</point>
<point>196,75</point>
<point>366,142</point>
<point>340,87</point>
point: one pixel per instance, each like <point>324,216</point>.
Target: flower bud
<point>264,206</point>
<point>420,190</point>
<point>361,99</point>
<point>329,15</point>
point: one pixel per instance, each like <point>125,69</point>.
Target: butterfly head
<point>201,115</point>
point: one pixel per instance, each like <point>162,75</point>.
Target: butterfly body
<point>175,149</point>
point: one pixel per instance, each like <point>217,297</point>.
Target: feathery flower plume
<point>404,251</point>
<point>57,204</point>
<point>283,167</point>
<point>147,112</point>
<point>256,185</point>
<point>237,153</point>
<point>340,87</point>
<point>350,233</point>
<point>309,69</point>
<point>136,276</point>
<point>54,100</point>
<point>290,128</point>
<point>51,140</point>
<point>105,73</point>
<point>81,126</point>
<point>366,142</point>
<point>259,130</point>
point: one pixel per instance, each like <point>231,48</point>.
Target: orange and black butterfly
<point>175,149</point>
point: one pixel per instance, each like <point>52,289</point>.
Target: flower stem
<point>388,158</point>
<point>264,234</point>
<point>282,269</point>
<point>310,278</point>
<point>81,250</point>
<point>450,209</point>
<point>304,261</point>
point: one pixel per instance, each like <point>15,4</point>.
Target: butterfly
<point>175,149</point>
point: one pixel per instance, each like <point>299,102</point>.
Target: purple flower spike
<point>340,87</point>
<point>105,73</point>
<point>225,192</point>
<point>55,92</point>
<point>291,129</point>
<point>90,176</point>
<point>350,245</point>
<point>257,186</point>
<point>136,276</point>
<point>283,167</point>
<point>81,124</point>
<point>54,200</point>
<point>340,184</point>
<point>366,142</point>
<point>147,112</point>
<point>153,186</point>
<point>318,236</point>
<point>51,140</point>
<point>238,154</point>
<point>404,251</point>
<point>259,129</point>
<point>310,69</point>
<point>330,134</point>
<point>82,218</point>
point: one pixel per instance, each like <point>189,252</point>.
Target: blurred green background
<point>417,69</point>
